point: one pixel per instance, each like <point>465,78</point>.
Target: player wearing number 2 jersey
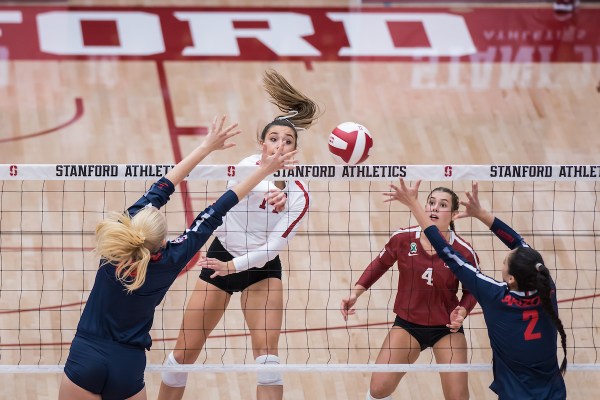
<point>521,312</point>
<point>428,311</point>
<point>244,256</point>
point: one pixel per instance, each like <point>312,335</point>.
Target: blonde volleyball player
<point>137,266</point>
<point>428,311</point>
<point>244,255</point>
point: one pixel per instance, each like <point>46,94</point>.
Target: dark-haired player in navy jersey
<point>428,311</point>
<point>521,312</point>
<point>137,266</point>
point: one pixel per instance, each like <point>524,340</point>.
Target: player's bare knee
<point>381,390</point>
<point>269,378</point>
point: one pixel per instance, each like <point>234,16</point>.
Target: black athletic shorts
<point>240,280</point>
<point>112,370</point>
<point>427,336</point>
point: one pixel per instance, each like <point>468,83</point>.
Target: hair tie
<point>538,266</point>
<point>141,240</point>
<point>287,117</point>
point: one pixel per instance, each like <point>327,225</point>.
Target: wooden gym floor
<point>418,113</point>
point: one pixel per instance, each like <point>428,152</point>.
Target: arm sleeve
<point>157,196</point>
<point>378,266</point>
<point>282,233</point>
<point>507,235</point>
<point>467,300</point>
<point>484,288</point>
<point>187,245</point>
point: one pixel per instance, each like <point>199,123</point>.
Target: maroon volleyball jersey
<point>427,288</point>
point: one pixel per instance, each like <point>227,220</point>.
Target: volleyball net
<point>48,214</point>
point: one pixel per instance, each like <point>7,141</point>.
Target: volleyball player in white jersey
<point>244,255</point>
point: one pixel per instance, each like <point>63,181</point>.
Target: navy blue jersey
<point>522,335</point>
<point>126,318</point>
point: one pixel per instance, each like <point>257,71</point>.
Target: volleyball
<point>349,143</point>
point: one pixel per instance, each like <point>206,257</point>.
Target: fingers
<point>417,184</point>
<point>277,199</point>
<point>223,117</point>
<point>402,185</point>
<point>461,214</point>
<point>230,128</point>
<point>346,310</point>
<point>470,197</point>
<point>390,197</point>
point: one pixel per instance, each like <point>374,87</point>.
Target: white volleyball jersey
<point>252,231</point>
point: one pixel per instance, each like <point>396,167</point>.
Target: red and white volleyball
<point>349,143</point>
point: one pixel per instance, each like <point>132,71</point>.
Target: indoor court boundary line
<point>79,111</point>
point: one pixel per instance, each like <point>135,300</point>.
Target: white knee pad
<point>173,379</point>
<point>369,397</point>
<point>269,378</point>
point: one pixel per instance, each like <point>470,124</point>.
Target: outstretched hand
<point>279,160</point>
<point>406,195</point>
<point>217,136</point>
<point>472,206</point>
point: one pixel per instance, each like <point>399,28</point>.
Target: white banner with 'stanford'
<point>307,172</point>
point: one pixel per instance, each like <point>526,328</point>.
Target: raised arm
<point>504,232</point>
<point>473,207</point>
<point>210,219</point>
<point>409,197</point>
<point>215,140</point>
<point>484,288</point>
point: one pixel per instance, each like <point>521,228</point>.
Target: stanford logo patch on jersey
<point>413,249</point>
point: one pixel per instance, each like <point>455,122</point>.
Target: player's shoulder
<point>407,233</point>
<point>297,186</point>
<point>460,241</point>
<point>297,192</point>
<point>252,159</point>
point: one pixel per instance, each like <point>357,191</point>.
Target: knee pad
<point>269,378</point>
<point>369,397</point>
<point>173,379</point>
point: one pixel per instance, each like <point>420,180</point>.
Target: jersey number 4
<point>263,206</point>
<point>428,276</point>
<point>532,316</point>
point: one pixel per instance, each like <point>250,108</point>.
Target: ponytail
<point>544,288</point>
<point>527,266</point>
<point>128,243</point>
<point>300,112</point>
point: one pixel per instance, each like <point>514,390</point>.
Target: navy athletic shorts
<point>240,280</point>
<point>101,366</point>
<point>427,336</point>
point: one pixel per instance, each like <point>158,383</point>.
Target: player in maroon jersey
<point>428,311</point>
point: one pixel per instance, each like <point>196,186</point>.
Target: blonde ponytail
<point>128,243</point>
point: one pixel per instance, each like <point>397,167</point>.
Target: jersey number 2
<point>532,316</point>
